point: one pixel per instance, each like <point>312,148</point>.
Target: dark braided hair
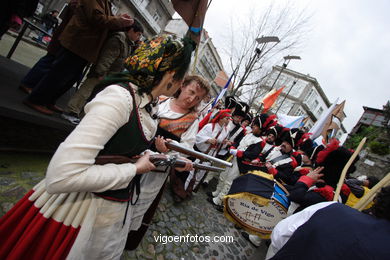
<point>381,207</point>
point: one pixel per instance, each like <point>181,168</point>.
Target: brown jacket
<point>88,28</point>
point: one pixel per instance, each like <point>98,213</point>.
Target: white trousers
<point>225,181</point>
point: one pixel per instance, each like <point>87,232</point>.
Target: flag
<point>223,91</point>
<point>334,122</point>
<point>270,99</point>
<point>304,121</point>
<point>193,13</point>
<point>290,121</point>
<point>317,128</point>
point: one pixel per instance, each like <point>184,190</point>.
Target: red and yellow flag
<point>270,99</point>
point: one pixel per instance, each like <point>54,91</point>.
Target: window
<point>299,112</point>
<point>156,16</point>
<point>315,104</point>
<point>320,110</point>
<point>142,3</point>
<point>309,95</point>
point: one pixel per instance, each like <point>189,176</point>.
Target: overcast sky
<point>347,49</point>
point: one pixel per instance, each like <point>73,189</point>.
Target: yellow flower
<point>144,63</point>
<point>157,62</point>
<point>132,60</point>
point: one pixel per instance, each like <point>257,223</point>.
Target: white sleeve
<point>204,134</point>
<point>286,228</point>
<point>188,137</point>
<point>72,167</point>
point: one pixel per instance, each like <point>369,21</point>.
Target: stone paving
<point>20,172</point>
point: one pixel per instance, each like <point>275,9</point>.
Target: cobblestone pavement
<point>20,172</point>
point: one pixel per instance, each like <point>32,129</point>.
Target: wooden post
<point>346,167</point>
<point>366,199</point>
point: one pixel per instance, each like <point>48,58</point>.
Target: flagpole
<point>287,60</point>
<point>284,98</point>
<point>206,106</point>
<point>223,91</point>
<point>200,39</point>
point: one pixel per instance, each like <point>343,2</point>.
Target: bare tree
<point>286,22</point>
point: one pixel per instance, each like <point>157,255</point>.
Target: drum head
<point>253,216</point>
<point>257,203</point>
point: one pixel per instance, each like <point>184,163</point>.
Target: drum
<point>256,202</point>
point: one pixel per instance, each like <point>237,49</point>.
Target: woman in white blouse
<point>81,209</point>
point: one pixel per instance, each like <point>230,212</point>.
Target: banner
<point>270,99</point>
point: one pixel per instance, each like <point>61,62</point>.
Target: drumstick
<point>346,167</point>
<point>366,199</point>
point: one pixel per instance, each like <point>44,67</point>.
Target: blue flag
<point>223,91</point>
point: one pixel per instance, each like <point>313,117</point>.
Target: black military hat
<point>292,136</point>
<point>230,102</point>
<point>242,109</point>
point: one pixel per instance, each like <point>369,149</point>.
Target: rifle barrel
<point>202,156</point>
<point>207,167</point>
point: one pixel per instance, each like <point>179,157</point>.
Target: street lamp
<point>264,40</point>
<point>287,60</point>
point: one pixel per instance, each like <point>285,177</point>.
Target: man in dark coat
<point>81,40</point>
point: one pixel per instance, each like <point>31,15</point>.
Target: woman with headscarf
<point>81,209</point>
<point>179,121</point>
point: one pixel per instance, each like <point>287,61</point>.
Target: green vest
<point>128,141</point>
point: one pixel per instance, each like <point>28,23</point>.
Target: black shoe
<point>246,236</point>
<point>209,199</point>
<point>237,226</point>
<point>210,194</point>
<point>205,184</point>
<point>219,208</point>
<point>176,199</point>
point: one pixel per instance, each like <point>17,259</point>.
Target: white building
<point>304,97</point>
<point>154,15</point>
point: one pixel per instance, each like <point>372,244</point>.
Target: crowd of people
<point>140,98</point>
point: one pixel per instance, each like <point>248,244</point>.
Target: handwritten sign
<point>256,217</point>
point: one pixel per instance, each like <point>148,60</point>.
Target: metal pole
<point>294,82</point>
<point>16,42</point>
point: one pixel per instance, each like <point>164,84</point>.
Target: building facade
<point>302,95</point>
<point>208,62</point>
<point>370,117</point>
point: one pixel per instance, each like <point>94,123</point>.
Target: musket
<point>172,145</point>
<point>156,159</point>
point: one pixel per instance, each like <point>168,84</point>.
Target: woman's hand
<point>212,141</point>
<point>315,174</point>
<point>160,145</point>
<point>143,164</point>
<point>188,167</point>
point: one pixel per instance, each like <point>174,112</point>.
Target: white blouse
<point>73,168</point>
